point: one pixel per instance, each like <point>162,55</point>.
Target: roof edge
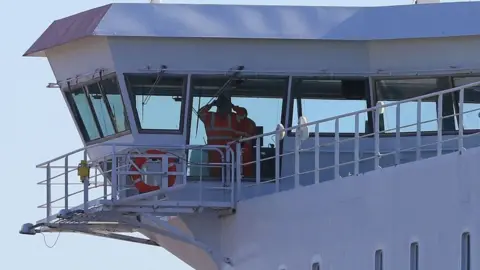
<point>73,27</point>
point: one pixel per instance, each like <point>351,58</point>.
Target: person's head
<point>224,104</point>
<point>241,113</point>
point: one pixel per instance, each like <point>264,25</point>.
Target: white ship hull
<point>344,222</point>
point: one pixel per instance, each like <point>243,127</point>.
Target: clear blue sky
<point>36,126</point>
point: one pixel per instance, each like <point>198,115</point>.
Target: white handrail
<point>116,173</point>
<point>374,108</point>
<point>179,148</point>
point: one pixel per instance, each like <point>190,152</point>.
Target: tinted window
<point>115,101</point>
<point>318,99</point>
<point>157,100</point>
<point>261,97</point>
<point>101,109</point>
<point>471,102</point>
<point>390,91</point>
<point>86,115</point>
<point>98,108</point>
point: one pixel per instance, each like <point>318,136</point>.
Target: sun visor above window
<point>332,89</point>
<point>354,89</point>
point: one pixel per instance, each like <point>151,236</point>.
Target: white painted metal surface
<point>394,200</point>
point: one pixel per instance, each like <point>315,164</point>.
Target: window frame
<point>132,98</point>
<point>191,97</point>
<point>449,77</point>
<point>368,98</point>
<point>67,92</point>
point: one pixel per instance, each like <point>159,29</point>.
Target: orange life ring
<point>137,179</point>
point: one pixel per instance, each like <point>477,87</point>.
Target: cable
<point>45,240</point>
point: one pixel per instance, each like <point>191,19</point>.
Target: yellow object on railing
<point>83,170</point>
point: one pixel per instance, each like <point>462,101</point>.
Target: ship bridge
<point>327,93</point>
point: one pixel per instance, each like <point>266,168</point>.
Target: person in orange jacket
<point>246,128</point>
<point>220,127</point>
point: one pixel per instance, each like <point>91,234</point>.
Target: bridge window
<point>261,97</point>
<point>98,108</point>
<point>102,110</point>
<point>117,109</point>
<point>471,105</point>
<point>390,91</point>
<point>316,266</point>
<point>158,101</point>
<point>318,99</point>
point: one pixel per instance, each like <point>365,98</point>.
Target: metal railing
<point>300,162</point>
<point>303,160</point>
<point>109,177</point>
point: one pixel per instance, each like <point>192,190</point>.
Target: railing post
<point>105,178</point>
<point>49,192</point>
<point>460,120</point>
<point>419,130</point>
<point>337,148</point>
<point>114,174</point>
<point>238,169</point>
<point>200,183</point>
<point>227,165</point>
<point>376,135</point>
<point>258,162</point>
<point>200,194</point>
<point>296,175</point>
<point>165,174</point>
<point>85,185</point>
<point>66,182</point>
<point>96,176</point>
<point>397,136</point>
<point>277,161</point>
<point>356,153</point>
<point>440,125</point>
<point>184,168</point>
<point>317,153</point>
<point>232,175</point>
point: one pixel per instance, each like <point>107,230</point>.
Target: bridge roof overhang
<point>264,22</point>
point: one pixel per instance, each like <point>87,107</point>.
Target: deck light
<point>53,85</point>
